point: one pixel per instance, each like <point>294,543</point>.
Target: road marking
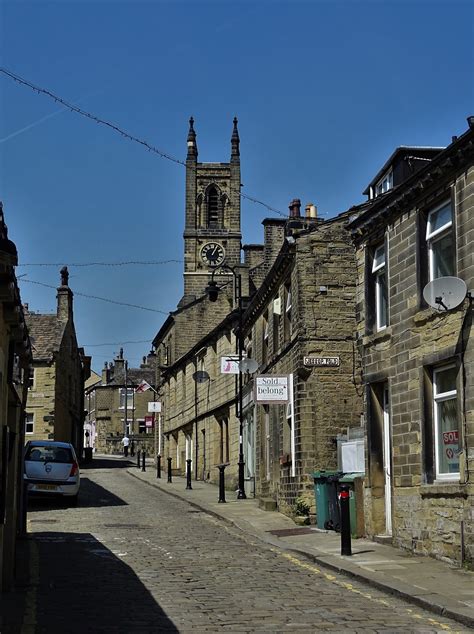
<point>349,587</point>
<point>29,618</point>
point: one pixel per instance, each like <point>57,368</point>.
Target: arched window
<point>213,207</point>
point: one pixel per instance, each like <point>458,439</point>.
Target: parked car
<point>52,468</point>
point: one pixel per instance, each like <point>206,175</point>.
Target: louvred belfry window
<point>213,207</point>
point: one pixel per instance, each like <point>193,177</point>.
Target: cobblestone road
<point>132,559</point>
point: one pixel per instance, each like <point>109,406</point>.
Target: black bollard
<point>188,473</point>
<point>345,520</point>
<point>143,460</point>
<point>169,469</point>
<point>138,459</point>
<point>158,466</point>
<point>221,468</point>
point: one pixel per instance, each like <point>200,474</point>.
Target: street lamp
<point>212,291</point>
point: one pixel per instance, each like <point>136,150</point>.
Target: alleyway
<point>132,559</point>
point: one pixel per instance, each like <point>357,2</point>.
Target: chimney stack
<point>105,374</point>
<point>64,297</point>
<point>311,211</point>
<point>295,207</point>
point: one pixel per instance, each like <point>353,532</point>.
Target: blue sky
<point>324,91</point>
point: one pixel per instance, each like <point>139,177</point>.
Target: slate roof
<point>46,333</point>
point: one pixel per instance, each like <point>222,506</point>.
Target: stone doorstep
<point>267,504</point>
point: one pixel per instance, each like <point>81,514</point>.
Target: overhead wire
<point>117,129</point>
<point>102,299</point>
<point>84,264</point>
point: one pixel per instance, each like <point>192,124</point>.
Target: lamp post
<point>212,291</point>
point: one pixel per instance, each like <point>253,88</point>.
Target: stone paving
<point>131,558</point>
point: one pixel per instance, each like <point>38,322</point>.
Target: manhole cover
<point>288,532</point>
<point>45,521</point>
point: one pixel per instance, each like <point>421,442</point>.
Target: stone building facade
<point>418,360</point>
<point>55,405</point>
<point>301,324</point>
<point>15,360</point>
<point>120,409</point>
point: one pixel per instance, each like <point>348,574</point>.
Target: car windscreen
<point>49,454</point>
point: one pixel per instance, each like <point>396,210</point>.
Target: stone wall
<point>429,516</point>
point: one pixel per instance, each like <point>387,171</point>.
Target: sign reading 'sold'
<point>271,389</point>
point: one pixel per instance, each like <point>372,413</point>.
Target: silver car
<point>52,468</point>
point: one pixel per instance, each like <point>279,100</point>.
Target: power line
<point>115,343</point>
<point>102,299</point>
<point>115,128</point>
<point>77,264</point>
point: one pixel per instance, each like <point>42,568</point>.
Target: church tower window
<point>213,207</point>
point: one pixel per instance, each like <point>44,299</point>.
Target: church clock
<point>213,254</point>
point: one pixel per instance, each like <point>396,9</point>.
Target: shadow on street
<point>84,587</point>
<point>90,495</point>
<point>112,462</point>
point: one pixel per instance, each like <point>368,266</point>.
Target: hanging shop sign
<point>230,364</point>
<point>154,406</point>
<point>271,389</point>
<point>325,362</point>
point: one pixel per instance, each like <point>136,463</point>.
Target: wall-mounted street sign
<point>325,362</point>
<point>271,389</point>
<point>230,364</point>
<point>154,406</point>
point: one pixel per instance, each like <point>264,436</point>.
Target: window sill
<point>443,489</point>
<point>376,337</point>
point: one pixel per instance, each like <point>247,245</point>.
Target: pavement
<point>434,585</point>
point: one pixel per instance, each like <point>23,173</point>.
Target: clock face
<point>212,254</point>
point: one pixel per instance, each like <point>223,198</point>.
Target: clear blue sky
<point>324,91</point>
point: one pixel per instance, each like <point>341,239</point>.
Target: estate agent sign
<point>271,389</point>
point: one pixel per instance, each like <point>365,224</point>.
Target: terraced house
<point>418,355</point>
<point>55,406</point>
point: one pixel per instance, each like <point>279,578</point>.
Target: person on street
<point>125,443</point>
<point>132,448</point>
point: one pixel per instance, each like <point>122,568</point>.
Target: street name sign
<point>324,362</point>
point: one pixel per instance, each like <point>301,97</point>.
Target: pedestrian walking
<point>126,444</point>
<point>132,448</point>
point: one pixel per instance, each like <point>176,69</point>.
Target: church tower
<point>212,233</point>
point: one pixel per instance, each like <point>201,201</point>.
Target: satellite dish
<point>445,292</point>
<point>201,376</point>
<point>248,366</point>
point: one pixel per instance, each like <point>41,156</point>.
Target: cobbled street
<point>132,559</point>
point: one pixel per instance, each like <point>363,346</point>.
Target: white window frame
<point>385,183</point>
<point>130,398</point>
<point>439,398</point>
<point>378,270</point>
<point>29,422</point>
<point>434,236</point>
<point>31,378</point>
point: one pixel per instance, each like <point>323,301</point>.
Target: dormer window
<point>384,184</point>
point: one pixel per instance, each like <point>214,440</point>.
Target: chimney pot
<point>311,211</point>
<point>295,207</point>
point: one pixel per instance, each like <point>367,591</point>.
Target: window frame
<point>432,237</point>
<point>442,397</point>
<point>387,177</point>
<point>130,392</point>
<point>29,422</point>
<point>379,271</point>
